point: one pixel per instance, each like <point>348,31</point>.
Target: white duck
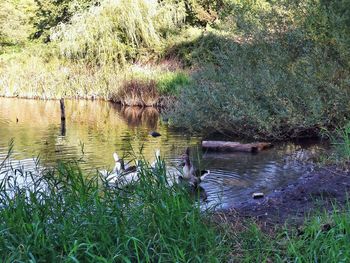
<point>121,173</point>
<point>157,155</point>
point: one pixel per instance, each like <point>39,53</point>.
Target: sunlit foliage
<point>15,25</point>
<point>284,64</point>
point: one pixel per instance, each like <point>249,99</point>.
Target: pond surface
<point>95,129</point>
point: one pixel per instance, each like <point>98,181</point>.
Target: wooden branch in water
<point>63,112</point>
<point>63,128</point>
<point>222,146</point>
<point>63,118</point>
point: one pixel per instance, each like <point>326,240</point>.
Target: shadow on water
<point>95,129</point>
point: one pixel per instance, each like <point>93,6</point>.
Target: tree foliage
<point>203,12</point>
<point>15,21</point>
<point>118,31</point>
<point>51,13</point>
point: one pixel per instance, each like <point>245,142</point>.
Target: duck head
<point>157,153</point>
<point>119,163</point>
<point>186,164</point>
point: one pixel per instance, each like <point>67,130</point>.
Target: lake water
<point>96,129</point>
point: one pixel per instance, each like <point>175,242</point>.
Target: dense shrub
<point>264,89</point>
<point>280,70</point>
<point>328,23</point>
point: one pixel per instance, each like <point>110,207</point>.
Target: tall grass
<point>30,74</point>
<point>72,216</point>
<point>323,238</point>
<point>340,140</point>
<point>62,214</point>
<point>34,76</point>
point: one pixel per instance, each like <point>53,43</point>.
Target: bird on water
<point>155,134</point>
<point>190,173</point>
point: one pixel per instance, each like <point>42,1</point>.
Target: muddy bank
<point>314,191</point>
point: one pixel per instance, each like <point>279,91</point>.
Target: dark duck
<point>192,175</point>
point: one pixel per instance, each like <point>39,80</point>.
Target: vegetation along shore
<point>274,70</point>
<point>257,70</point>
<point>62,214</point>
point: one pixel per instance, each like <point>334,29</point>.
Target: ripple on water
<point>94,130</point>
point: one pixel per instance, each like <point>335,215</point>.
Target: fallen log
<point>222,146</point>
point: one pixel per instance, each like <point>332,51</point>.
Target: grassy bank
<point>66,215</point>
<point>95,53</point>
<point>322,238</point>
<point>27,75</point>
<point>69,215</point>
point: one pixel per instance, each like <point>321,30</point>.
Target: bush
<point>265,76</point>
<point>263,89</point>
<point>328,23</point>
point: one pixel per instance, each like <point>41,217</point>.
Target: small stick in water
<point>63,128</point>
<point>63,113</point>
<point>63,118</point>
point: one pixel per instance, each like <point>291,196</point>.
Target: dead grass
<point>141,93</point>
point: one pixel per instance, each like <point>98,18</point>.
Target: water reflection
<point>95,129</point>
<point>137,116</point>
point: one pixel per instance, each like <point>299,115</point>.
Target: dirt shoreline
<point>312,192</point>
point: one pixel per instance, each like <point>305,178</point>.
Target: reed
<point>63,214</point>
<point>340,141</point>
<point>66,215</point>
